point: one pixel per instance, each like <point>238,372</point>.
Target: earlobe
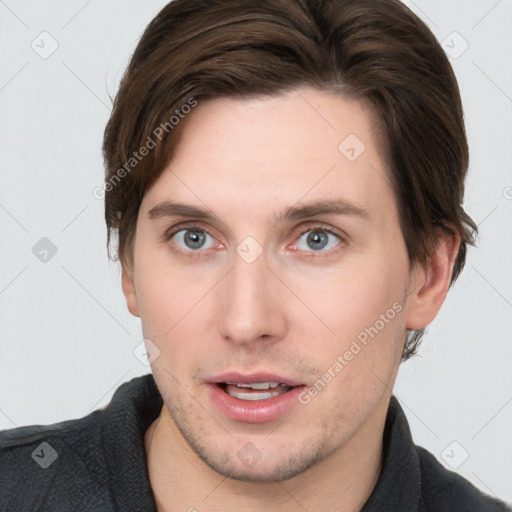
<point>429,283</point>
<point>129,291</point>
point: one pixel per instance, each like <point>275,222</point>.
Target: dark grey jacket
<point>97,464</point>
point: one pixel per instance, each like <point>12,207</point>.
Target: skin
<point>291,311</point>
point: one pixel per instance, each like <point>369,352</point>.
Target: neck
<point>341,482</point>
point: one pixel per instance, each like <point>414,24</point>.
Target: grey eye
<point>317,240</point>
<point>193,239</point>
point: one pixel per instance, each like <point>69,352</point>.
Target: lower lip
<point>254,411</point>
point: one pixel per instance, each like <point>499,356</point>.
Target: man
<point>285,180</point>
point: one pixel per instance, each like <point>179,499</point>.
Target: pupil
<point>317,240</point>
<point>194,239</point>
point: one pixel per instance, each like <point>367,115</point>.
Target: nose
<point>250,306</point>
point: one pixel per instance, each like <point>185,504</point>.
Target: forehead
<point>299,124</point>
<point>266,151</point>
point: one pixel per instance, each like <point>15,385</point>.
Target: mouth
<point>254,391</point>
<point>254,398</point>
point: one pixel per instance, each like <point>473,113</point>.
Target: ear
<point>129,291</point>
<point>430,282</point>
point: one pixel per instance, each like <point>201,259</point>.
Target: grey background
<point>67,340</point>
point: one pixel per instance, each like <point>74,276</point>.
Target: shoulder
<point>93,463</point>
<point>446,491</point>
<point>46,465</point>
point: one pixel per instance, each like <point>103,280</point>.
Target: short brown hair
<point>377,51</point>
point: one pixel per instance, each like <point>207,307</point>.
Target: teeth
<point>256,385</point>
<point>254,396</point>
<point>259,390</point>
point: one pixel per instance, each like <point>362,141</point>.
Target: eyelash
<point>169,234</point>
<point>327,229</point>
<point>187,227</point>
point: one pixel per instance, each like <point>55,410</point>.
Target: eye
<point>193,239</point>
<point>317,239</point>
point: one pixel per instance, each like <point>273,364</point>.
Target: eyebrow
<point>173,209</point>
<point>325,207</point>
<point>298,212</point>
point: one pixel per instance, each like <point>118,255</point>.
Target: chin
<point>249,464</point>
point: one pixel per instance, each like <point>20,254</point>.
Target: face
<point>271,277</point>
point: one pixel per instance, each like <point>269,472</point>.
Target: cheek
<point>361,304</point>
<point>176,310</point>
<point>360,359</point>
<point>353,298</point>
<point>165,292</point>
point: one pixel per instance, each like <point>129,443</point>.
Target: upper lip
<point>251,378</point>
